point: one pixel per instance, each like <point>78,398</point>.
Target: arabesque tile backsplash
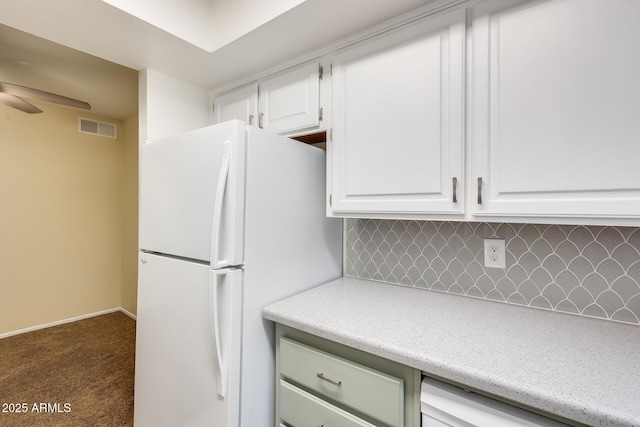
<point>585,270</point>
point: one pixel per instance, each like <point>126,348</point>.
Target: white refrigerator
<point>231,219</point>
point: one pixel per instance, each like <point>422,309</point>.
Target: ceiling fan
<point>12,95</point>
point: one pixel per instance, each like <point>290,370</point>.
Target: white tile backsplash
<point>585,270</point>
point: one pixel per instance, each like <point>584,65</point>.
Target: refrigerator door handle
<point>216,262</point>
<point>221,371</point>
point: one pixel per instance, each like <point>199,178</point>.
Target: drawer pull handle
<point>322,377</point>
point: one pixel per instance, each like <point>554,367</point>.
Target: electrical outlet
<point>494,253</point>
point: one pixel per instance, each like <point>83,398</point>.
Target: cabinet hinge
<point>320,72</point>
<point>320,114</point>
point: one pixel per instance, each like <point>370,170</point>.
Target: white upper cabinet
<point>290,101</point>
<point>489,110</point>
<point>556,102</point>
<point>286,103</point>
<point>397,128</point>
<point>239,104</point>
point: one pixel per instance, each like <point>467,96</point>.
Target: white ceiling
<point>207,24</point>
<point>104,31</point>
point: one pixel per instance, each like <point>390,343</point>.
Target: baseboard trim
<point>128,313</point>
<point>69,320</point>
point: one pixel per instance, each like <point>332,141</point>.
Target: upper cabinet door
<point>397,145</point>
<point>290,101</point>
<point>238,104</point>
<point>555,124</point>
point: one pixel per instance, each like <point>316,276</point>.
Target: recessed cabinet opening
<point>318,139</point>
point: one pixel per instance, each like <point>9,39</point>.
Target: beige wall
<point>67,218</point>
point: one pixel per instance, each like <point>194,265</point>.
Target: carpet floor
<point>78,374</point>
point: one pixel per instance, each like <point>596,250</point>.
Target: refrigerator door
<point>192,194</point>
<point>176,379</point>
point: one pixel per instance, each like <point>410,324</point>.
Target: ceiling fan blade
<point>27,92</point>
<point>18,103</point>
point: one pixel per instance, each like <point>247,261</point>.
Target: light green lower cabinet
<point>366,390</point>
<point>321,382</point>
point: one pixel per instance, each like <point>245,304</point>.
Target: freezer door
<point>192,194</point>
<point>177,377</point>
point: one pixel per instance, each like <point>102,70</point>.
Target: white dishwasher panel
<point>444,405</point>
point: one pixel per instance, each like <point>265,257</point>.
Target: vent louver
<point>98,128</point>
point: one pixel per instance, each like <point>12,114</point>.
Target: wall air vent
<point>98,128</point>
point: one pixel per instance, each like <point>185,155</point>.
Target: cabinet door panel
<point>291,101</point>
<point>239,104</point>
<point>555,115</point>
<point>403,148</point>
<point>397,129</point>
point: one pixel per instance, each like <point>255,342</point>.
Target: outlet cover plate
<point>494,253</point>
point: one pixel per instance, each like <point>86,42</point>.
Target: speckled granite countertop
<point>583,369</point>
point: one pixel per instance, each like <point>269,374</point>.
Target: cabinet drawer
<point>374,393</point>
<point>301,409</point>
